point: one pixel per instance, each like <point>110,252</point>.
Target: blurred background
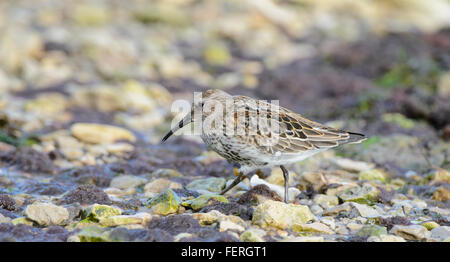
<point>86,89</point>
<point>377,67</point>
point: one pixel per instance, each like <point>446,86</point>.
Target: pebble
<point>371,230</point>
<point>253,235</point>
<point>316,209</point>
<point>373,174</point>
<point>204,200</point>
<point>139,218</point>
<point>352,165</point>
<point>161,184</point>
<point>441,233</point>
<point>228,225</point>
<point>304,239</point>
<point>93,233</point>
<point>430,225</point>
<point>127,181</point>
<point>412,232</point>
<point>98,212</point>
<point>21,220</point>
<point>354,226</point>
<point>326,201</point>
<point>4,219</point>
<point>386,238</point>
<point>345,207</point>
<point>315,227</point>
<point>100,134</point>
<point>363,195</point>
<point>280,215</point>
<point>213,184</point>
<point>365,210</point>
<point>164,203</point>
<point>47,214</point>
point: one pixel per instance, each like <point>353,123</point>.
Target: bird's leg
<point>235,182</point>
<point>286,183</point>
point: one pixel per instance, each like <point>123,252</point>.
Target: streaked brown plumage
<point>253,144</point>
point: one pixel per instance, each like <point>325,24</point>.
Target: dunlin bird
<point>290,138</point>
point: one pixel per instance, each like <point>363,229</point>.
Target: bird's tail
<point>355,138</point>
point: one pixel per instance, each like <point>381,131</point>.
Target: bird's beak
<point>186,120</point>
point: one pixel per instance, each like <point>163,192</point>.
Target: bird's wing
<point>295,133</point>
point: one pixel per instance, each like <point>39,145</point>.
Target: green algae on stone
<point>280,215</point>
<point>97,212</point>
<point>217,54</point>
<point>372,174</point>
<point>371,230</point>
<point>213,184</point>
<point>120,220</point>
<point>93,234</point>
<point>430,225</point>
<point>80,224</point>
<point>164,203</point>
<point>253,235</point>
<point>204,200</point>
<point>367,194</point>
<point>21,220</point>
